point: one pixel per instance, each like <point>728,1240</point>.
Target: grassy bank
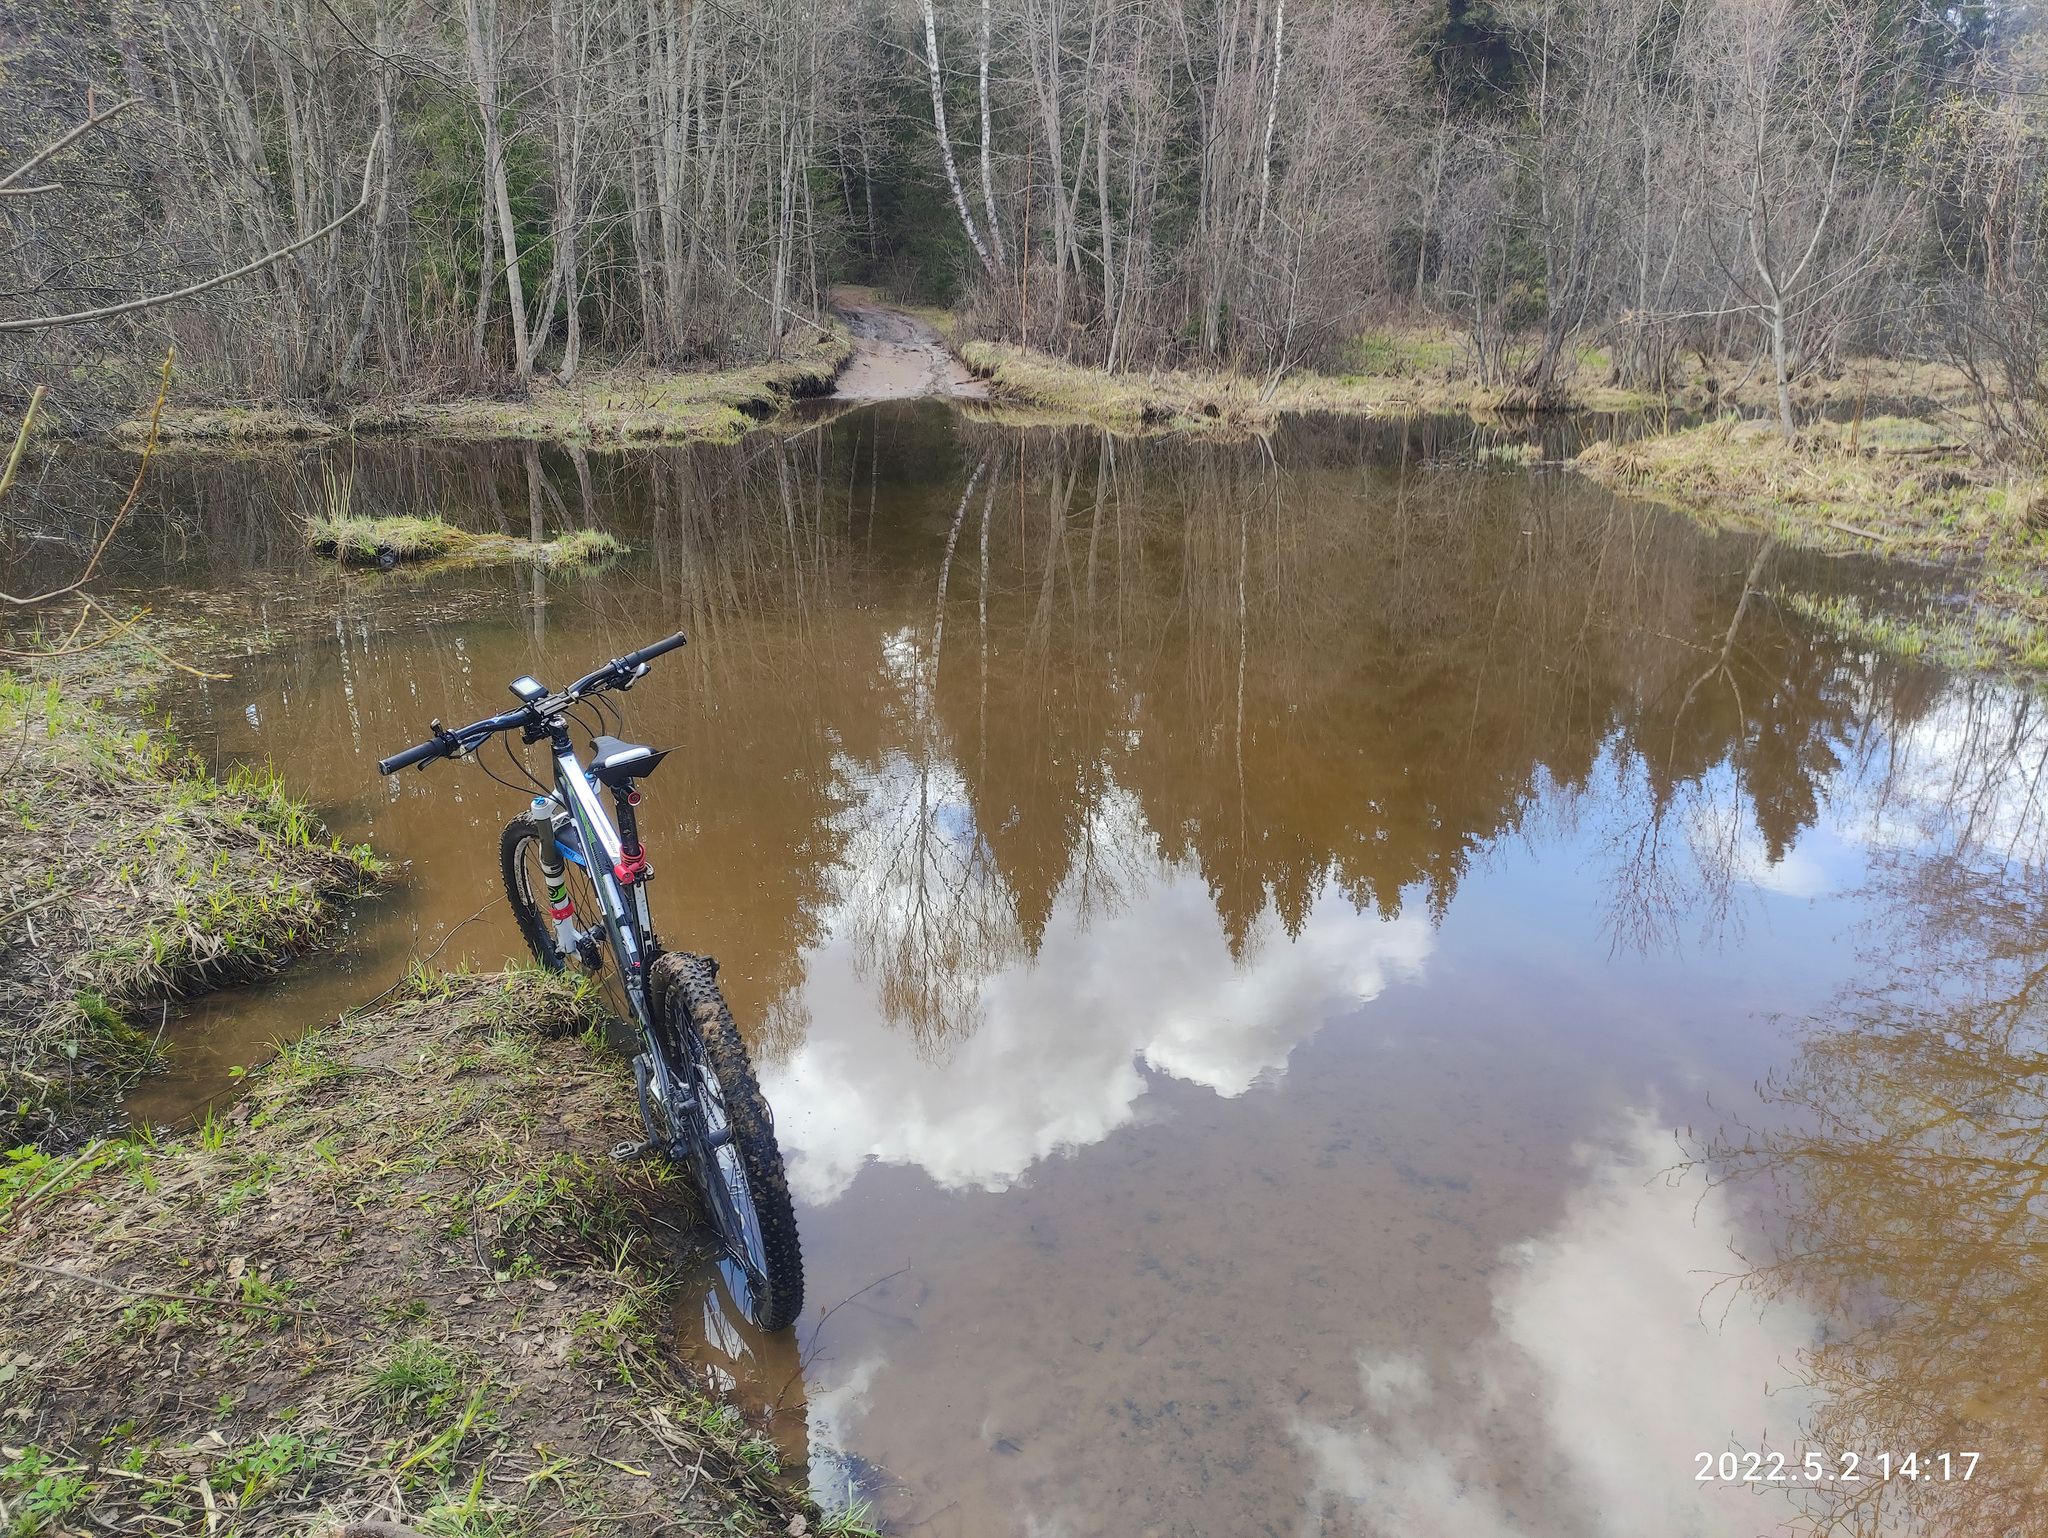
<point>1897,488</point>
<point>378,541</point>
<point>130,876</point>
<point>600,406</point>
<point>1404,368</point>
<point>400,1280</point>
<point>1411,372</point>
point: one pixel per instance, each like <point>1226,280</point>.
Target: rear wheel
<point>737,1161</point>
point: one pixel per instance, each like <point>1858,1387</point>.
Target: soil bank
<point>400,1279</point>
<point>130,876</point>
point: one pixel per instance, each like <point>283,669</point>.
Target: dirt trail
<point>897,357</point>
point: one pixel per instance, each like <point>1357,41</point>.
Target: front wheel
<point>526,887</point>
<point>734,1153</point>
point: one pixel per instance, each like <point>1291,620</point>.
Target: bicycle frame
<point>574,792</point>
<point>625,922</point>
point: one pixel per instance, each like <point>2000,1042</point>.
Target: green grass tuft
<point>366,539</point>
<point>585,547</point>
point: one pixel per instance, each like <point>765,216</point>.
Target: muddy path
<point>899,357</point>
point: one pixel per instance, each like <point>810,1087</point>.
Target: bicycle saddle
<point>614,762</point>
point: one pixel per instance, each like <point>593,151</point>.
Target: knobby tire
<point>686,1003</point>
<point>525,889</point>
<point>693,1003</point>
<point>519,868</point>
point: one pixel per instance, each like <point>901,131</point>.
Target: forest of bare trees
<point>511,188</point>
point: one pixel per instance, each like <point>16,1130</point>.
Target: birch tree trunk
<point>988,182</point>
<point>480,29</point>
<point>931,54</point>
<point>1272,116</point>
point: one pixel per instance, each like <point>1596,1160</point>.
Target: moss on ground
<point>400,1279</point>
<point>226,427</point>
<point>1897,488</point>
<point>355,541</point>
<point>1415,365</point>
<point>622,405</point>
<point>631,405</point>
<point>129,875</point>
<point>582,547</point>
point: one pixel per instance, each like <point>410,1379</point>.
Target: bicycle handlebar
<point>647,654</point>
<point>618,673</point>
<point>409,757</point>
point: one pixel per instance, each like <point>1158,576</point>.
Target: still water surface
<point>1308,986</point>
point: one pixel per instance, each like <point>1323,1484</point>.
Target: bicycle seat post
<point>634,866</point>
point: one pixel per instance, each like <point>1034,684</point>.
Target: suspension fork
<point>553,870</point>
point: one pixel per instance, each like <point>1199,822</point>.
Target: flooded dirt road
<point>899,357</point>
<point>1318,986</point>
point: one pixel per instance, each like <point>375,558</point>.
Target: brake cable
<point>505,738</point>
<point>520,764</point>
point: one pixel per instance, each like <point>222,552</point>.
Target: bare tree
<point>1788,86</point>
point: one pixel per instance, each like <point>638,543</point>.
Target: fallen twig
<point>141,470</point>
<point>108,312</point>
<point>182,667</point>
<point>155,1292</point>
<point>40,902</point>
<point>21,439</point>
<point>92,121</point>
<point>1864,533</point>
<point>68,650</point>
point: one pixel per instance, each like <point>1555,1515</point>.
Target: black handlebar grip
<point>411,756</point>
<point>659,648</point>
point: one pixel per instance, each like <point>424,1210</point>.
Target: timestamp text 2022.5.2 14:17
<point>1839,1468</point>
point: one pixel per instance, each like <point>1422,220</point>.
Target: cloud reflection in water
<point>1613,1361</point>
<point>1049,1051</point>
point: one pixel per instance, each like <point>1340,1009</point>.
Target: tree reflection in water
<point>1305,663</point>
<point>930,721</point>
<point>1908,1161</point>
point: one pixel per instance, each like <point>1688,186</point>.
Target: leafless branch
<point>47,151</point>
<point>109,312</point>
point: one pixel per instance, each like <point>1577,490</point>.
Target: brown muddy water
<point>1325,985</point>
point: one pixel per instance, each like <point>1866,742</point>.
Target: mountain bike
<point>577,883</point>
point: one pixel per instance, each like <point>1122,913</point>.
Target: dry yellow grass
<point>433,542</point>
<point>619,406</point>
<point>1897,488</point>
<point>601,407</point>
<point>1418,371</point>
